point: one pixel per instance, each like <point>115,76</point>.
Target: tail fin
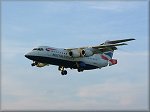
<point>109,54</point>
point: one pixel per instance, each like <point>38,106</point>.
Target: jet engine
<point>86,52</point>
<point>75,53</point>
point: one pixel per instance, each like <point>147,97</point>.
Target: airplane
<point>83,58</point>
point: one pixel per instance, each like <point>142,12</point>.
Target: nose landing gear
<point>34,63</point>
<point>63,72</point>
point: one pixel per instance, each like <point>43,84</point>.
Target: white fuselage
<point>58,56</point>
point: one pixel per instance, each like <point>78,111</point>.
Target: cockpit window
<point>35,49</point>
<point>38,49</point>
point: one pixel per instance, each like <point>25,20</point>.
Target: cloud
<point>113,6</point>
<point>106,96</point>
<point>123,87</point>
<point>13,48</point>
<point>116,95</point>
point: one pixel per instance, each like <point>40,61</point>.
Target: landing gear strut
<point>63,72</point>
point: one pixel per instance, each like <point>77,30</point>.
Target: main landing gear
<point>63,72</point>
<point>80,69</point>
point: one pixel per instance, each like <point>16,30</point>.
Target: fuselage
<point>61,57</point>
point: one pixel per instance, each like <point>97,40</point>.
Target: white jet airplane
<point>84,58</point>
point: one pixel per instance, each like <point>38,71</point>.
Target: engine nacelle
<point>41,64</point>
<point>86,52</point>
<point>75,53</point>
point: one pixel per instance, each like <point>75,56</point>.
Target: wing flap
<point>108,45</point>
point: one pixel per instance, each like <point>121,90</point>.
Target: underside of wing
<point>108,45</point>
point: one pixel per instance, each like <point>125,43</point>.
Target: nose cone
<point>26,55</point>
<point>29,55</point>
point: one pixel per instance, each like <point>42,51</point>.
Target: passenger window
<point>39,49</point>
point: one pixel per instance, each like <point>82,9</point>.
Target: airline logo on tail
<point>108,56</point>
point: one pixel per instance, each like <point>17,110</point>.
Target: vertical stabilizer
<point>108,56</point>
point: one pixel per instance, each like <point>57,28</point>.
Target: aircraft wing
<point>119,41</point>
<point>111,45</point>
<point>106,45</point>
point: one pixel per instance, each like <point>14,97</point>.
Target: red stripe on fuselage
<point>104,57</point>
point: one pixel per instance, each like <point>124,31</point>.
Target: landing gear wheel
<point>33,64</point>
<point>59,68</point>
<point>36,63</point>
<point>64,72</point>
<point>80,70</point>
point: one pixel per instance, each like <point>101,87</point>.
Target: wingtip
<point>132,39</point>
